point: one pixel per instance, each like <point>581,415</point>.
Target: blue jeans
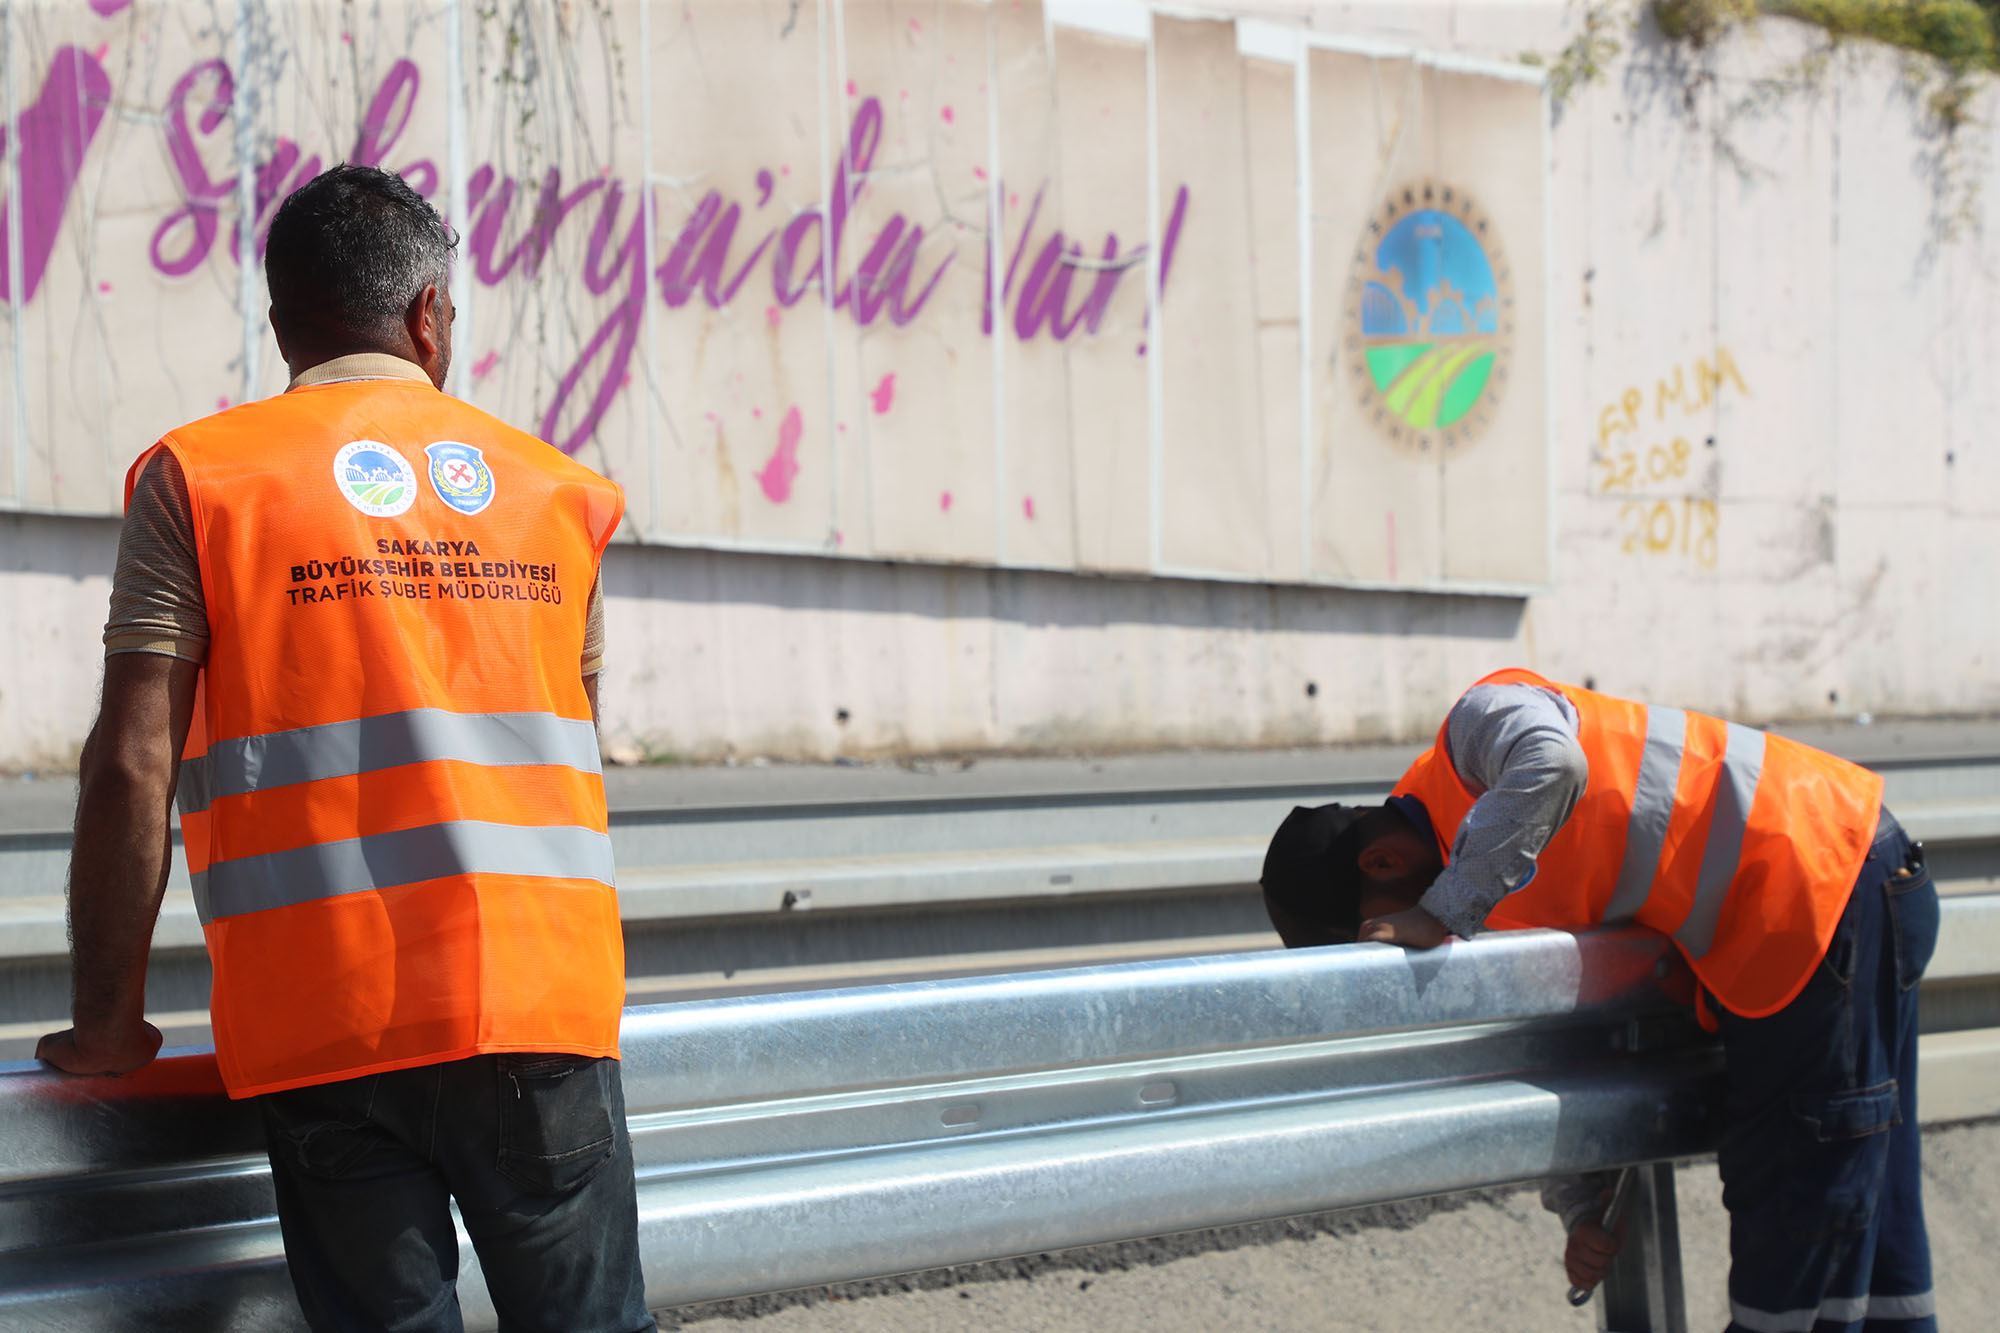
<point>1820,1162</point>
<point>533,1147</point>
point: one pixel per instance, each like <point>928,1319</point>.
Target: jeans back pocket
<point>556,1120</point>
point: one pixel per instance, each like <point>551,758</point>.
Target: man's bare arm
<point>119,861</point>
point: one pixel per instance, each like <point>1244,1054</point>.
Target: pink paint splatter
<point>625,381</point>
<point>103,50</point>
<point>1028,506</point>
<point>979,173</point>
<point>883,395</point>
<point>842,428</point>
<point>839,537</point>
<point>785,169</point>
<point>758,413</point>
<point>783,466</point>
<point>347,37</point>
<point>484,365</point>
<point>916,26</point>
<point>711,418</point>
<point>851,90</point>
<point>1014,199</point>
<point>221,404</point>
<point>104,9</point>
<point>104,288</point>
<point>946,113</point>
<point>1142,349</point>
<point>771,315</point>
<point>944,502</point>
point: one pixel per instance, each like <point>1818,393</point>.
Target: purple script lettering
<point>55,134</point>
<point>702,259</point>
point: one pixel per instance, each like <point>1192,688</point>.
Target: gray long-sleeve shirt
<point>1516,749</point>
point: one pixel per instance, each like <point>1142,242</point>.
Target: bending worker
<point>391,801</point>
<point>1804,910</point>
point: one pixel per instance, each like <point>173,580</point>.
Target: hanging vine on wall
<point>1586,57</point>
<point>1950,45</point>
<point>1958,34</point>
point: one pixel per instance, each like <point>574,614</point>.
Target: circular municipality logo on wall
<point>375,478</point>
<point>1430,319</point>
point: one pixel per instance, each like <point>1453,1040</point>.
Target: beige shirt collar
<point>359,366</point>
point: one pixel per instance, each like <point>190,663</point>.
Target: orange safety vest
<point>391,797</point>
<point>1740,846</point>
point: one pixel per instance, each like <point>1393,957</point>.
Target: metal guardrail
<point>789,1140</point>
<point>845,854</point>
<point>729,897</point>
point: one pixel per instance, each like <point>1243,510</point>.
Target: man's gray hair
<point>349,250</point>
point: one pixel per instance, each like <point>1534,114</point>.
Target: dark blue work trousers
<point>1820,1162</point>
<point>533,1147</point>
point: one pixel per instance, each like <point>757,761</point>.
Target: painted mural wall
<point>1771,299</point>
<point>929,279</point>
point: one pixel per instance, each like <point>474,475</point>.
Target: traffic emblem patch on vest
<point>375,478</point>
<point>460,476</point>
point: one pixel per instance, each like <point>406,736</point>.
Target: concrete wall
<point>1774,299</point>
<point>1772,310</point>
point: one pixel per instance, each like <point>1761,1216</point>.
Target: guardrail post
<point>1643,1292</point>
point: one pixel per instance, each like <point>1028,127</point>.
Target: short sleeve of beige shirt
<point>156,596</point>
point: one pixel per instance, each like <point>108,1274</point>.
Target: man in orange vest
<point>359,624</point>
<point>1804,911</point>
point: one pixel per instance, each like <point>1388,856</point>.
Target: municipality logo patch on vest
<point>375,478</point>
<point>460,476</point>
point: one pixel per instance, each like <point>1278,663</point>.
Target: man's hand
<point>120,1053</point>
<point>1592,1248</point>
<point>1413,928</point>
<point>1588,1258</point>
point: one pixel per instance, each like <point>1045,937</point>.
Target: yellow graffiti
<point>1626,469</point>
<point>1635,470</point>
<point>1691,388</point>
<point>1690,527</point>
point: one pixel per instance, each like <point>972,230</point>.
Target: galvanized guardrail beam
<point>787,1140</point>
<point>729,897</point>
<point>845,855</point>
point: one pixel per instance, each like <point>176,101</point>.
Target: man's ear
<point>423,321</point>
<point>1384,861</point>
<point>278,334</point>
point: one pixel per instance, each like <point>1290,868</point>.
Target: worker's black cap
<point>1309,867</point>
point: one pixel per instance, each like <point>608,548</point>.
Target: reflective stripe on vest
<point>1653,799</point>
<point>1652,808</point>
<point>343,749</point>
<point>405,856</point>
<point>1735,790</point>
<point>250,764</point>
